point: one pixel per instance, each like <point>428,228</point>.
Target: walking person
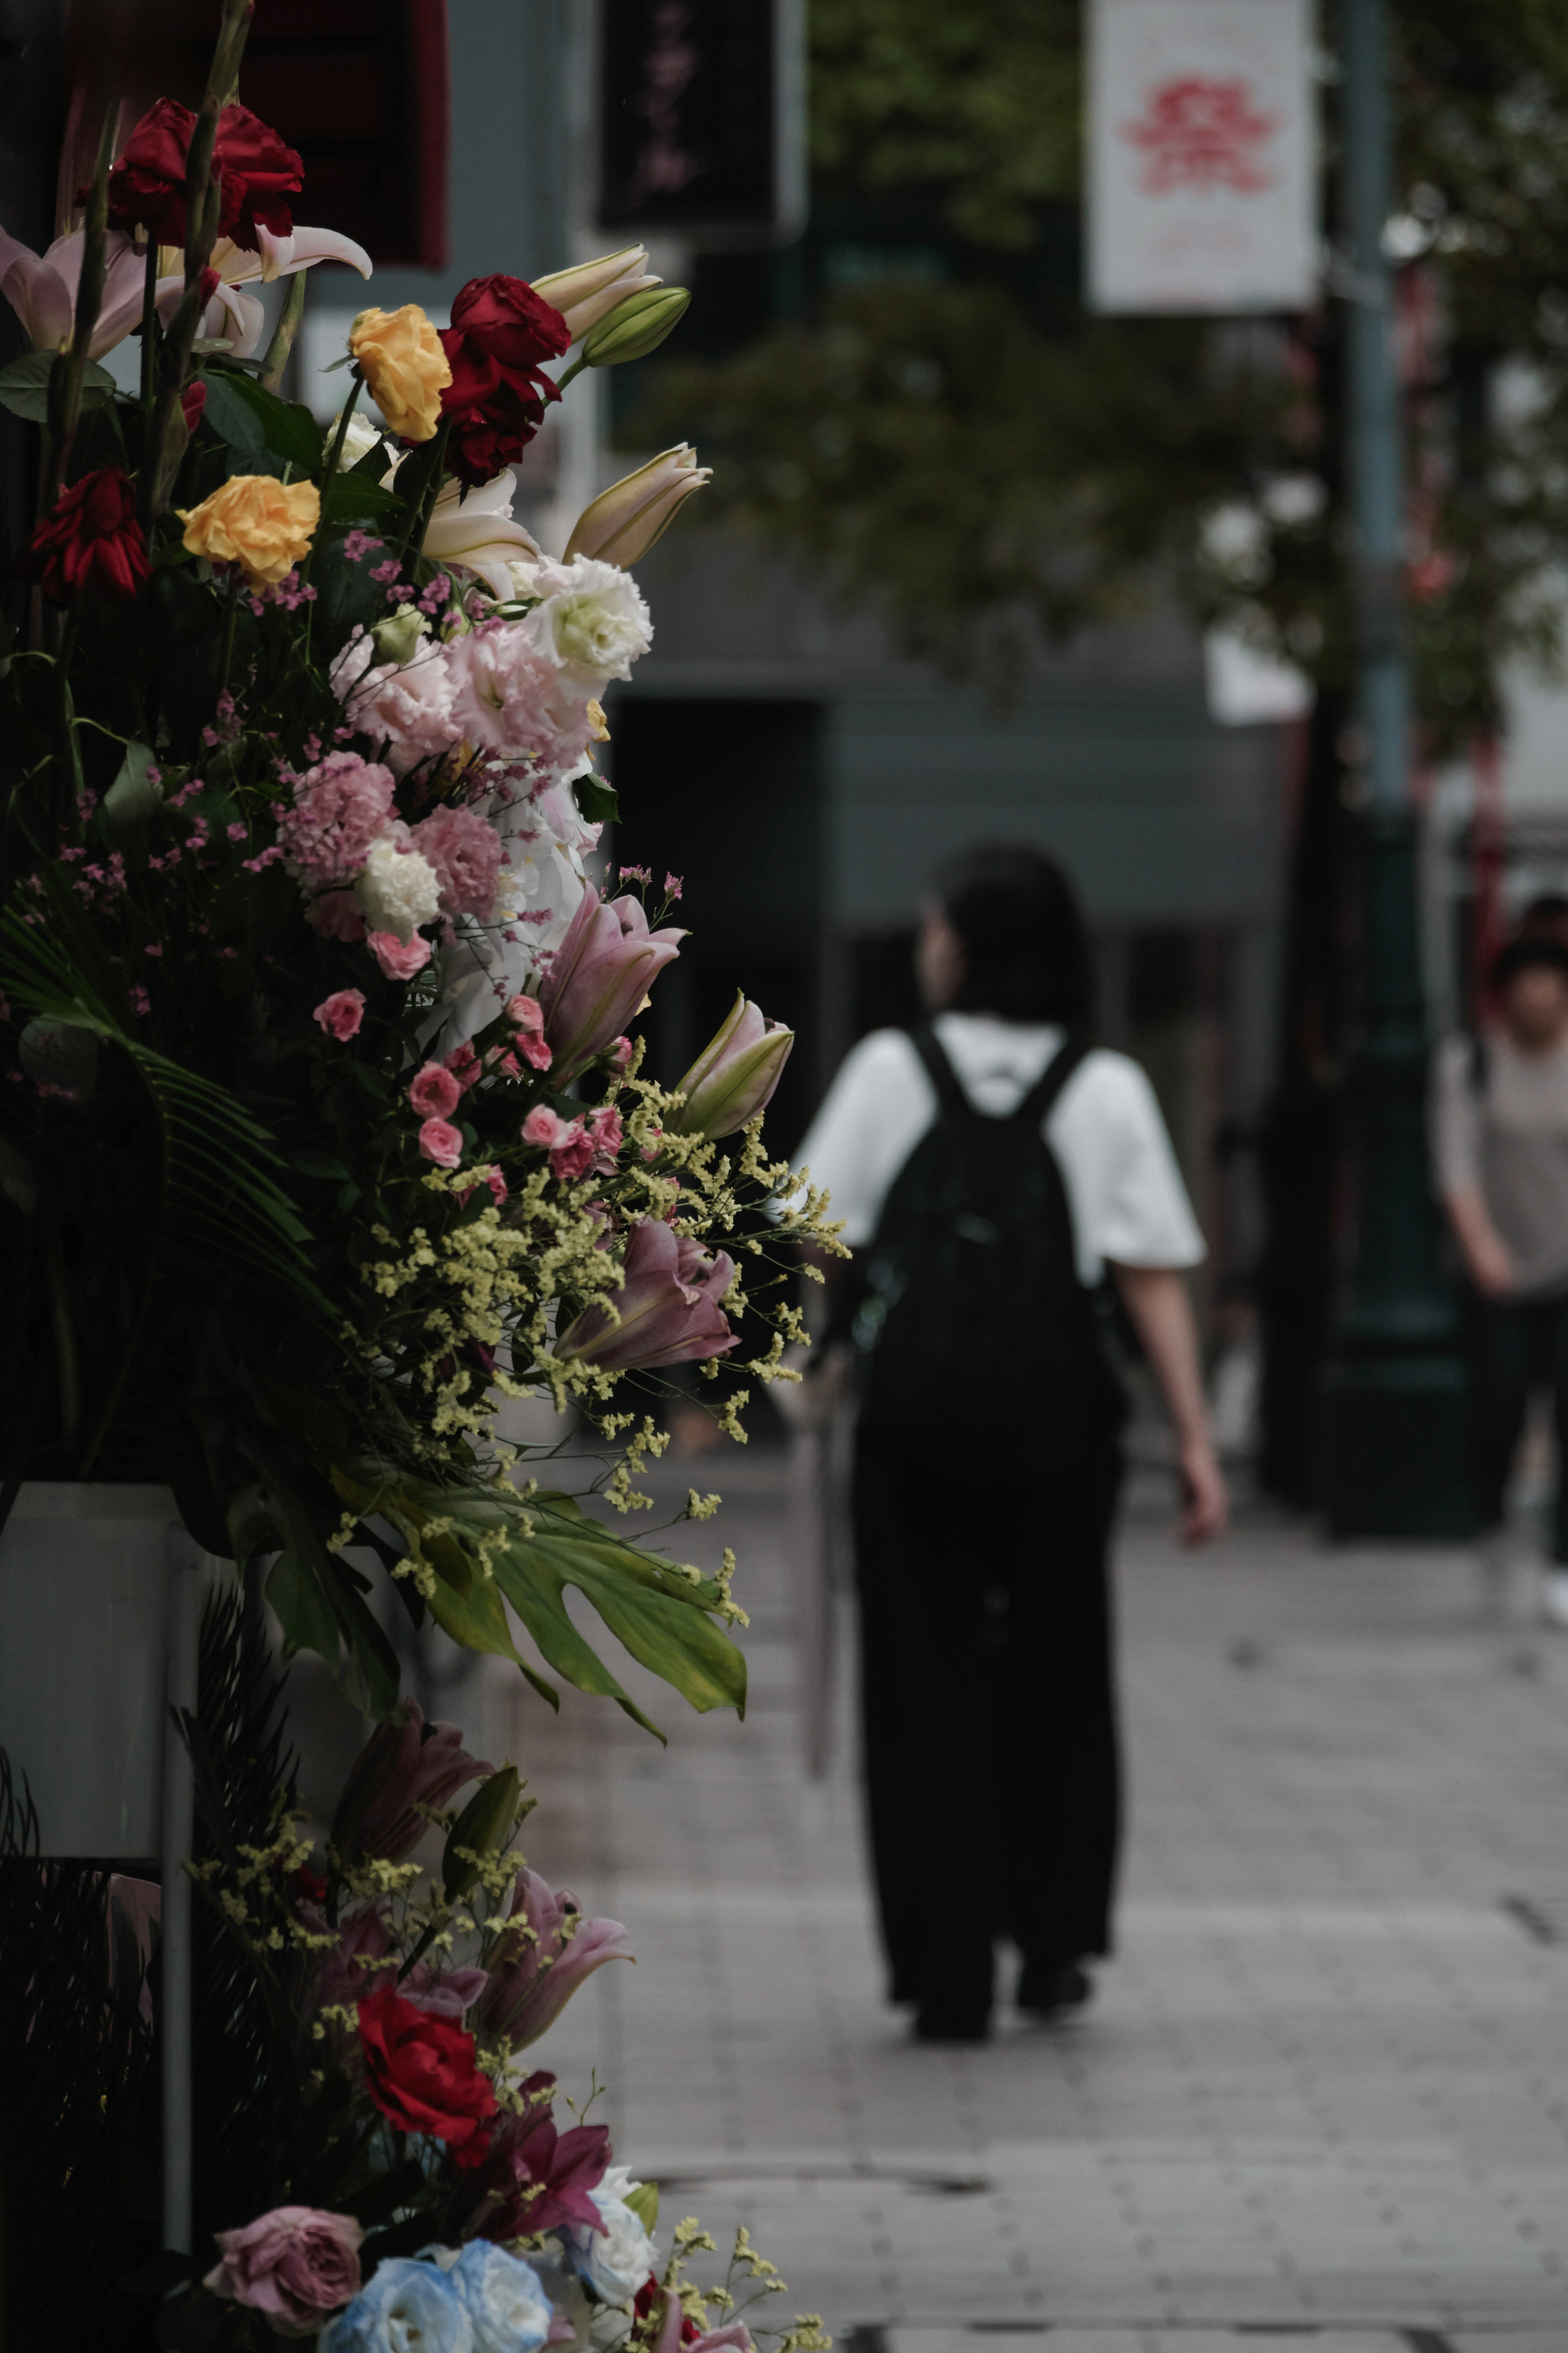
<point>1499,1144</point>
<point>990,1167</point>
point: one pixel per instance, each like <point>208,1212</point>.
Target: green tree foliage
<point>981,465</point>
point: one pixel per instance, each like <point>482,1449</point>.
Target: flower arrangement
<point>323,1121</point>
<point>428,2194</point>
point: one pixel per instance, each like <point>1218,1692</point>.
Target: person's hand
<point>1206,1508</point>
<point>1490,1267</point>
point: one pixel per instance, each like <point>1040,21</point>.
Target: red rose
<point>256,174</point>
<point>501,331</point>
<point>509,323</point>
<point>419,2068</point>
<point>90,539</point>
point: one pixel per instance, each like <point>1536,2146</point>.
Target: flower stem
<point>230,609</point>
<point>66,376</point>
<point>334,455</point>
<point>150,323</point>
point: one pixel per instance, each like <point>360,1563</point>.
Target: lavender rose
<point>296,2265</point>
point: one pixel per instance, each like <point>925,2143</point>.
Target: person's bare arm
<point>1485,1251</point>
<point>1156,1299</point>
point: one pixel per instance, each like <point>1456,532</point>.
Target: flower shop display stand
<point>101,1599</point>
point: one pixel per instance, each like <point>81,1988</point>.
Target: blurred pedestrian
<point>990,1167</point>
<point>1499,1120</point>
<point>1545,916</point>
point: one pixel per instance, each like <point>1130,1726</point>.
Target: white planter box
<point>84,1578</point>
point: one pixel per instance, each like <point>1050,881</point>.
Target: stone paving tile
<point>1324,2087</point>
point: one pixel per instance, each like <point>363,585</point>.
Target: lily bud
<point>735,1076</point>
<point>635,327</point>
<point>485,1824</point>
<point>404,1765</point>
<point>623,523</point>
<point>583,294</point>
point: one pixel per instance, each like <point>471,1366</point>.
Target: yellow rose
<point>257,521</point>
<point>400,357</point>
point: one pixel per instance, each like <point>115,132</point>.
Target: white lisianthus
<point>397,889</point>
<point>358,441</point>
<point>615,2262</point>
<point>595,622</point>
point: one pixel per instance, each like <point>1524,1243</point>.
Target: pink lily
<point>735,1076</point>
<point>405,1764</point>
<point>41,290</point>
<point>668,1306</point>
<point>546,1950</point>
<point>598,978</point>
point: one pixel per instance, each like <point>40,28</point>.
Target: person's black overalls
<point>987,1466</point>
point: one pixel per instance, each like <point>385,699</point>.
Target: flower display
<point>90,539</point>
<point>257,521</point>
<point>303,860</point>
<point>405,368</point>
<point>296,2265</point>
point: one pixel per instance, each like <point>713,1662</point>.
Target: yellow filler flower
<point>399,354</point>
<point>257,521</point>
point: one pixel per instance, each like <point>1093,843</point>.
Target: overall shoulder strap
<point>1037,1103</point>
<point>950,1095</point>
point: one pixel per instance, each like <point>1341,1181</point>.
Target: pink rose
<point>297,2265</point>
<point>608,1135</point>
<point>497,1184</point>
<point>542,1126</point>
<point>572,1153</point>
<point>434,1092</point>
<point>441,1142</point>
<point>620,1054</point>
<point>336,915</point>
<point>527,1016</point>
<point>466,855</point>
<point>341,806</point>
<point>340,1013</point>
<point>465,1065</point>
<point>399,960</point>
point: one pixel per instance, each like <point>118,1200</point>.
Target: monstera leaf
<point>484,1548</point>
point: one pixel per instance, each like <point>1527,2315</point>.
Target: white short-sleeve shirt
<point>1123,1187</point>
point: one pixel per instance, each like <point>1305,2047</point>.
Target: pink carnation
<point>434,1092</point>
<point>510,698</point>
<point>336,915</point>
<point>340,1013</point>
<point>399,959</point>
<point>441,1142</point>
<point>608,1135</point>
<point>541,1126</point>
<point>467,856</point>
<point>341,806</point>
<point>527,1015</point>
<point>465,1065</point>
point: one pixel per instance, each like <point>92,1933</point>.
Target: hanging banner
<point>1202,157</point>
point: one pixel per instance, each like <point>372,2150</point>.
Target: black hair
<point>1536,950</point>
<point>1025,952</point>
<point>1544,913</point>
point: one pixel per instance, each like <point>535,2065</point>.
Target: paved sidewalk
<point>1325,2085</point>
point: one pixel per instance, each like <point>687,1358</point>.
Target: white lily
<point>475,529</point>
<point>583,294</point>
<point>236,314</point>
<point>623,523</point>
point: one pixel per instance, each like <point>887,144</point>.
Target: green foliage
<point>983,101</point>
<point>24,386</point>
<point>978,470</point>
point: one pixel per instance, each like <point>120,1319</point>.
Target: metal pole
<point>185,1558</point>
<point>1396,1418</point>
<point>1376,454</point>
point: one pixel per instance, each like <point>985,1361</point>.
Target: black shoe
<point>936,2025</point>
<point>1053,1989</point>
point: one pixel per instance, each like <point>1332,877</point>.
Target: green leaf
<point>314,1593</point>
<point>644,2203</point>
<point>535,1550</point>
<point>264,434</point>
<point>595,799</point>
<point>358,498</point>
<point>24,386</point>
